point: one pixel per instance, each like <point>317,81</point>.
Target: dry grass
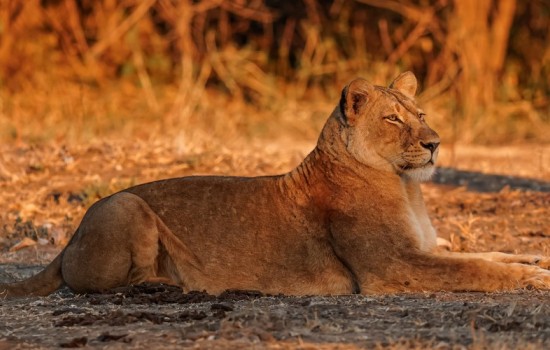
<point>71,71</point>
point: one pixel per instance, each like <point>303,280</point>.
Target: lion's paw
<point>536,277</point>
<point>537,260</point>
<point>543,262</point>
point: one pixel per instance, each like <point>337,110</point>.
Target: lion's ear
<point>406,84</point>
<point>354,100</point>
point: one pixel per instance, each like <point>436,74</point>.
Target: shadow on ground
<point>480,182</point>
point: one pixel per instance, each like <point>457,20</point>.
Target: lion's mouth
<point>415,166</point>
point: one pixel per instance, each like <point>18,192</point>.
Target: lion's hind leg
<point>117,244</point>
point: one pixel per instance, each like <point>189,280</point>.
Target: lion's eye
<point>421,116</point>
<point>392,118</point>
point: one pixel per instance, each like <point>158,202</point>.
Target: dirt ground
<point>498,200</point>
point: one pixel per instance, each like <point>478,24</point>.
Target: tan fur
<point>349,219</point>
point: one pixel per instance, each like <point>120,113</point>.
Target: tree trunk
<point>479,32</point>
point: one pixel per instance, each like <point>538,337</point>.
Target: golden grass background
<point>201,71</point>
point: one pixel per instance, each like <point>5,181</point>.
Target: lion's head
<point>385,129</point>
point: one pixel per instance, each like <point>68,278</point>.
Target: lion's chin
<point>420,174</point>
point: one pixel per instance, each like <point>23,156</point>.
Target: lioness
<point>349,219</point>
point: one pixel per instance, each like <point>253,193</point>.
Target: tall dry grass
<point>196,70</point>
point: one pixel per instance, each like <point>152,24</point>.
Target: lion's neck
<point>324,176</point>
<point>331,142</point>
<point>301,182</point>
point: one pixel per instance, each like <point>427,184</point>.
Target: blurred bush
<point>484,65</point>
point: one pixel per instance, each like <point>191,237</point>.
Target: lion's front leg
<point>427,272</point>
<point>528,259</point>
<point>386,260</point>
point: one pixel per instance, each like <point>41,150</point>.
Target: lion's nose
<point>432,146</point>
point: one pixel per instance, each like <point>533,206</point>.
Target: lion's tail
<point>45,282</point>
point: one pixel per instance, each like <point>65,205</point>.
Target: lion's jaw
<point>420,174</point>
<point>417,164</point>
<point>414,163</point>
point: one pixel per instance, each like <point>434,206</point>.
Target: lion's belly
<point>296,272</point>
<point>274,257</point>
<point>244,235</point>
<point>267,252</point>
